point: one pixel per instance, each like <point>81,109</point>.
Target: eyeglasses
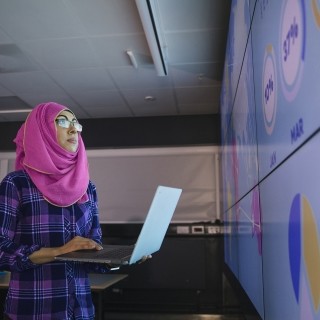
<point>64,123</point>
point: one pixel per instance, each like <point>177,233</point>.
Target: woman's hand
<point>78,243</point>
<point>145,258</point>
<point>45,255</point>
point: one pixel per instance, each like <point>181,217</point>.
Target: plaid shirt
<point>56,290</point>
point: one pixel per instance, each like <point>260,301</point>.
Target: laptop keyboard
<point>117,252</point>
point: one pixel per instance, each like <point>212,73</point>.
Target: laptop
<point>149,240</point>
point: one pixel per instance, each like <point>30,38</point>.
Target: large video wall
<point>270,120</point>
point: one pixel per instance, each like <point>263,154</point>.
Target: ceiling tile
<point>30,83</point>
<point>164,103</point>
<point>204,74</point>
<point>193,14</point>
<point>13,102</point>
<point>4,38</point>
<point>194,47</point>
<point>33,100</point>
<point>112,50</point>
<point>34,19</point>
<point>109,112</point>
<point>4,92</point>
<point>143,77</point>
<point>12,59</point>
<point>86,79</point>
<point>103,17</point>
<point>197,95</point>
<point>62,53</point>
<point>100,99</point>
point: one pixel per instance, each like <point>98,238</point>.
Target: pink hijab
<point>61,176</point>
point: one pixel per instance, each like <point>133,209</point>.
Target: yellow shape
<point>316,12</point>
<point>311,251</point>
<point>269,48</point>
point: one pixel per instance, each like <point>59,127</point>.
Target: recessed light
<point>149,98</point>
<point>200,76</point>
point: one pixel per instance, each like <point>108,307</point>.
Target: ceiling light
<point>16,111</point>
<point>147,11</point>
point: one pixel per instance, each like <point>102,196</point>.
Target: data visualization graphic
<point>304,250</point>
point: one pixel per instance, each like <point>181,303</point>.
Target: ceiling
<point>74,52</point>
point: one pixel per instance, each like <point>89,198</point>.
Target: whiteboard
<point>126,180</point>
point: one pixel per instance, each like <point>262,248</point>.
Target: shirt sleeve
<point>13,256</point>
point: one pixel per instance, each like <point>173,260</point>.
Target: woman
<point>48,207</point>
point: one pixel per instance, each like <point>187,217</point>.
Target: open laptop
<point>150,238</point>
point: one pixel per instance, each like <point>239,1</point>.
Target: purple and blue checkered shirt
<point>56,290</point>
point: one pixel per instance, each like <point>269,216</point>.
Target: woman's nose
<point>72,129</point>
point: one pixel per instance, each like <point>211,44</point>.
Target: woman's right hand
<point>79,243</point>
<point>45,255</point>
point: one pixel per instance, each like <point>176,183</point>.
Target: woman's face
<point>67,134</point>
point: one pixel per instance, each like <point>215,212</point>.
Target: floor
<point>161,316</point>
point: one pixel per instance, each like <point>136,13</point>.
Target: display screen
<point>270,118</point>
